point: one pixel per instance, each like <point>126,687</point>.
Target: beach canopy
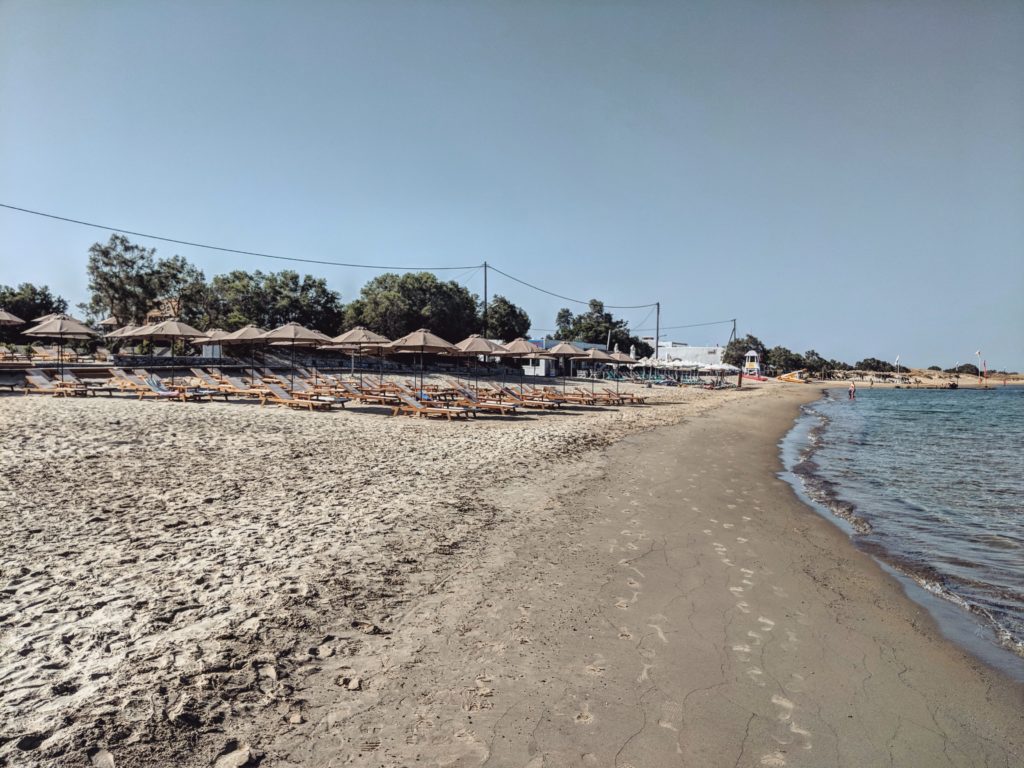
<point>61,327</point>
<point>564,349</point>
<point>250,333</point>
<point>360,337</point>
<point>212,335</point>
<point>622,357</point>
<point>478,345</point>
<point>50,316</point>
<point>295,334</point>
<point>422,341</point>
<point>168,329</point>
<point>127,330</point>
<point>596,356</point>
<point>522,348</point>
<point>108,322</point>
<point>6,318</point>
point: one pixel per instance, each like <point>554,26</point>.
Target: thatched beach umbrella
<point>565,351</point>
<point>248,334</point>
<point>422,341</point>
<point>61,327</point>
<point>595,356</point>
<point>168,330</point>
<point>6,318</point>
<point>475,345</point>
<point>293,335</point>
<point>360,338</point>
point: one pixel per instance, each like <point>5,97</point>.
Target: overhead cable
<point>227,250</point>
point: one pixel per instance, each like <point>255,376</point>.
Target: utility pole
<point>733,336</point>
<point>484,332</point>
<point>657,328</point>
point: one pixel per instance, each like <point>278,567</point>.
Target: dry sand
<point>216,584</point>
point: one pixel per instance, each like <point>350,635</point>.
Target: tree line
<point>128,281</point>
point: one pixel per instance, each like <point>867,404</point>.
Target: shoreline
<point>972,629</point>
<point>619,628</point>
<point>579,611</point>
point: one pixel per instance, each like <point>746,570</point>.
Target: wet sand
<point>224,585</point>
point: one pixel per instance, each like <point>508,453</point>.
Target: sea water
<point>931,482</point>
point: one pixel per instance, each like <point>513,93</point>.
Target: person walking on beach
<point>853,390</point>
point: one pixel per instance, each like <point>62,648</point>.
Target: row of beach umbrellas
<point>357,340</point>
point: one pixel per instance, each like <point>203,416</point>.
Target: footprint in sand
<point>625,634</point>
<point>584,716</point>
<point>756,675</point>
<point>661,633</point>
<point>773,760</point>
<point>671,716</point>
<point>743,606</point>
<point>707,531</point>
<point>785,707</point>
<point>644,673</point>
<point>632,583</point>
<point>736,590</point>
<point>597,666</point>
<point>766,624</point>
<point>622,604</point>
<point>748,519</point>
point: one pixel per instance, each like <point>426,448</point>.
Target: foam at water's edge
<point>970,625</point>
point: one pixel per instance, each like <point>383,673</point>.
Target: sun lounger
<point>364,396</point>
<point>507,394</point>
<point>301,388</point>
<point>37,383</point>
<point>160,390</point>
<point>90,389</point>
<point>414,407</point>
<point>470,398</point>
<point>627,397</point>
<point>235,386</point>
<point>277,395</point>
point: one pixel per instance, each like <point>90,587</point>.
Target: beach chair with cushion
<point>273,393</point>
<point>413,407</point>
<point>159,390</point>
<point>301,388</point>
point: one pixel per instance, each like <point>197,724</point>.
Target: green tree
<point>394,305</point>
<point>122,279</point>
<point>28,302</point>
<point>783,360</point>
<point>875,365</point>
<point>595,326</point>
<point>272,299</point>
<point>737,348</point>
<point>182,287</point>
<point>505,320</point>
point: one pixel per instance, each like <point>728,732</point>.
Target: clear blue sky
<point>843,176</point>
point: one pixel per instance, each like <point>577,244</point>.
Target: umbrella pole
<point>293,366</point>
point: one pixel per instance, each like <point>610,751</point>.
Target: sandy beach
<point>219,584</point>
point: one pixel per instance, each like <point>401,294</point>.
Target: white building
<point>677,350</point>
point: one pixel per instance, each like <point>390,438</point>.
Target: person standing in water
<point>853,390</point>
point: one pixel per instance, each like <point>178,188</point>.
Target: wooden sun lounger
<point>363,396</point>
<point>603,398</point>
<point>159,390</point>
<point>469,398</point>
<point>628,397</point>
<point>37,383</point>
<point>506,393</point>
<point>305,389</point>
<point>70,379</point>
<point>414,407</point>
<point>277,395</point>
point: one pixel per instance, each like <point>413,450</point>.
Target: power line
<point>567,298</point>
<point>690,325</point>
<point>226,250</point>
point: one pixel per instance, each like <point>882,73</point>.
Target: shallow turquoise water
<point>932,483</point>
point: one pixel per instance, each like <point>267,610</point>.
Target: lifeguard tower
<point>752,365</point>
